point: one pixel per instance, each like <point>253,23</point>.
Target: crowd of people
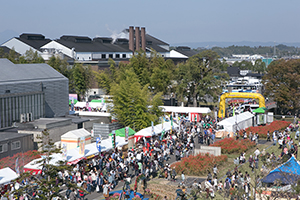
<point>104,172</point>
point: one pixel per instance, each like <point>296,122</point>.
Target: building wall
<point>26,142</point>
<point>55,45</point>
<point>12,106</point>
<point>41,98</point>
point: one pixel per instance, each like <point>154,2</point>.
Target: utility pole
<point>274,49</point>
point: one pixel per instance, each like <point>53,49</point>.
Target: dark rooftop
<point>34,40</point>
<point>11,135</point>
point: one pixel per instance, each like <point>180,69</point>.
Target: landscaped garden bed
<point>263,130</point>
<point>231,145</point>
<point>198,165</point>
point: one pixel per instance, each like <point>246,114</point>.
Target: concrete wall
<point>216,151</point>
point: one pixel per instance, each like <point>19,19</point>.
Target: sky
<point>173,21</point>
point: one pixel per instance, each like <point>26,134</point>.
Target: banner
<point>152,128</point>
<point>126,134</point>
<point>98,143</point>
<point>64,151</point>
<point>17,166</point>
<point>82,146</point>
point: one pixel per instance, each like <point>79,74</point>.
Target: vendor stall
<point>7,175</point>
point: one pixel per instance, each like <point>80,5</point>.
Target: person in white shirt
<point>257,152</point>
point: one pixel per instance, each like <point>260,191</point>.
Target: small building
<point>72,138</point>
<point>13,142</point>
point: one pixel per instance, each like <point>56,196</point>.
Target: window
<point>103,56</point>
<point>3,148</point>
<point>7,91</point>
<point>117,55</point>
<point>124,55</point>
<point>110,56</point>
<point>15,145</point>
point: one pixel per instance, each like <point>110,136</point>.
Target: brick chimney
<point>131,39</point>
<point>143,36</point>
<point>137,38</point>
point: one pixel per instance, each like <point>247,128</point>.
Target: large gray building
<point>31,91</point>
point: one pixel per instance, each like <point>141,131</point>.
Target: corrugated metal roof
<point>11,72</point>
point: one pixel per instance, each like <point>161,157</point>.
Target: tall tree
<point>282,82</point>
<point>132,101</point>
<point>259,66</point>
<point>199,78</point>
<point>82,77</point>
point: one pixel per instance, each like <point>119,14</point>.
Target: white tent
<point>237,122</point>
<point>7,175</point>
<point>147,132</point>
<point>35,166</point>
<point>177,109</point>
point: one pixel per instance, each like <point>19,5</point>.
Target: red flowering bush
<point>231,145</point>
<point>198,165</point>
<point>263,130</point>
<point>24,158</point>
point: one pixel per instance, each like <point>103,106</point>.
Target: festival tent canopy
<point>287,173</point>
<point>35,166</point>
<point>241,121</point>
<point>147,132</point>
<point>121,132</point>
<point>260,110</point>
<point>177,109</point>
<point>7,175</point>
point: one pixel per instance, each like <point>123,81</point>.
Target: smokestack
<point>131,39</point>
<point>137,38</point>
<point>143,36</point>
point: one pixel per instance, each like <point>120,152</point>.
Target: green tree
<point>47,187</point>
<point>259,66</point>
<point>132,101</point>
<point>82,77</point>
<point>244,65</point>
<point>282,83</point>
<point>199,78</point>
<point>13,56</point>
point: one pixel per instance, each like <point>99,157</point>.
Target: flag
<point>233,112</point>
<point>17,166</point>
<point>152,128</point>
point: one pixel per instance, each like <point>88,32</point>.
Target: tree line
<point>138,86</point>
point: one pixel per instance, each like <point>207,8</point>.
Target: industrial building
<point>31,91</point>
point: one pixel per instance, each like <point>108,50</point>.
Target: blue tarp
<point>287,173</point>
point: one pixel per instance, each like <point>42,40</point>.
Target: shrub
<point>263,130</point>
<point>24,158</point>
<point>231,145</point>
<point>198,165</point>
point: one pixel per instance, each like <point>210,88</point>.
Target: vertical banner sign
<point>82,146</point>
<point>126,134</point>
<point>162,123</point>
<point>152,128</point>
<point>171,125</point>
<point>113,139</point>
<point>64,152</point>
<point>17,166</point>
<point>98,143</point>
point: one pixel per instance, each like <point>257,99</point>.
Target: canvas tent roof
<point>7,175</point>
<point>147,132</point>
<point>177,109</point>
<point>236,119</point>
<point>287,173</point>
<point>78,133</point>
<point>121,132</point>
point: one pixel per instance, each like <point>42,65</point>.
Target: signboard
<point>82,145</point>
<point>126,134</point>
<point>98,143</point>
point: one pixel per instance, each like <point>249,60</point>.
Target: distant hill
<point>209,45</point>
